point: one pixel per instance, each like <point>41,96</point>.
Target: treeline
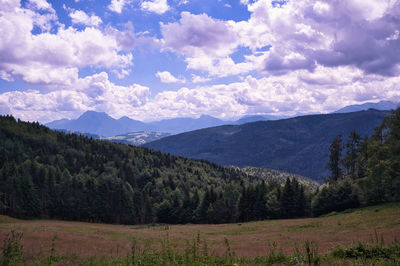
<point>49,174</point>
<point>364,171</point>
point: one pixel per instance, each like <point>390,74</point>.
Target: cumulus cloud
<point>301,34</point>
<point>80,17</point>
<point>117,5</point>
<point>312,56</point>
<point>198,35</point>
<point>334,33</point>
<point>40,5</point>
<point>300,91</point>
<point>199,79</point>
<point>207,44</point>
<point>49,58</point>
<point>297,92</point>
<point>156,6</point>
<point>167,77</point>
<point>94,92</point>
<point>4,109</point>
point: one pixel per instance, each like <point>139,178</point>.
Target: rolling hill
<point>297,145</point>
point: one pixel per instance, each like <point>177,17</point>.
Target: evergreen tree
<point>335,153</point>
<point>352,152</point>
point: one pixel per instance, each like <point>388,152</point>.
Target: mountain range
<point>101,124</point>
<point>296,145</point>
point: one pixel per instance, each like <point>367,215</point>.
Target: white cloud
<point>199,35</point>
<point>49,58</point>
<point>167,77</point>
<point>321,55</point>
<point>40,5</point>
<point>207,44</point>
<point>297,92</point>
<point>324,90</point>
<point>91,93</point>
<point>302,34</point>
<point>329,33</point>
<point>80,17</point>
<point>199,79</point>
<point>156,6</point>
<point>117,5</point>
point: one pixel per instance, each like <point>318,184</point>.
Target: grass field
<point>87,240</point>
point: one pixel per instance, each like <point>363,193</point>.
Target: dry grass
<point>246,239</point>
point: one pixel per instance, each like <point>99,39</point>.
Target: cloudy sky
<point>154,59</point>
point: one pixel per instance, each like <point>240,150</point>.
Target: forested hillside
<point>279,176</point>
<point>297,145</point>
<point>51,174</point>
<point>45,173</point>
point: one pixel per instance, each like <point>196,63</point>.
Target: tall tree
<point>335,153</point>
<point>352,151</point>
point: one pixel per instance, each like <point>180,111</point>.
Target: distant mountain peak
<point>126,119</point>
<point>206,116</point>
<point>382,106</point>
<point>93,114</point>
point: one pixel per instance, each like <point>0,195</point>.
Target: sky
<point>157,59</point>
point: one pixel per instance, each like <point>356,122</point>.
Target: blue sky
<point>155,59</point>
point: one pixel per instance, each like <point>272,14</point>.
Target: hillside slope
<point>45,173</point>
<point>297,145</point>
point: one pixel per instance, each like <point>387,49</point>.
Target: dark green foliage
<point>51,174</point>
<point>337,196</point>
<point>372,170</point>
<point>364,251</point>
<point>12,249</point>
<point>44,173</point>
<point>349,160</point>
<point>335,153</point>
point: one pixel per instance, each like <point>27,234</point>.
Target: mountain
<point>382,105</point>
<point>254,118</point>
<point>296,145</point>
<point>130,125</point>
<point>179,125</point>
<point>101,124</point>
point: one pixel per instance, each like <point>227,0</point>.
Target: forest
<point>49,174</point>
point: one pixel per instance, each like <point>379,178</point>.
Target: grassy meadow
<point>367,235</point>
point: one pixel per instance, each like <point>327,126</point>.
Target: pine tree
<point>352,152</point>
<point>335,153</point>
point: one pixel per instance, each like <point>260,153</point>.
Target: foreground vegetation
<point>197,253</point>
<point>356,237</point>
